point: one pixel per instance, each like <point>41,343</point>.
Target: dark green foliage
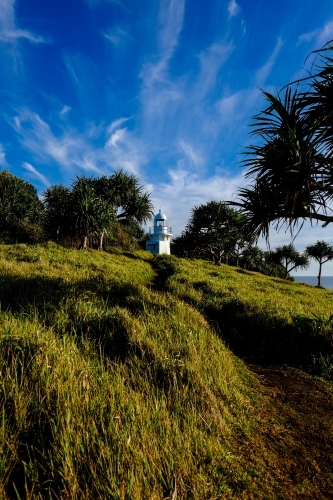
<point>322,252</point>
<point>93,208</point>
<point>21,211</point>
<point>289,259</point>
<point>214,231</point>
<point>126,195</point>
<point>291,166</point>
<point>58,205</point>
<point>165,266</point>
<point>255,259</point>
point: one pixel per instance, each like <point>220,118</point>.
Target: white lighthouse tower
<point>160,235</point>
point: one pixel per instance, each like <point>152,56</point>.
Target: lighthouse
<point>159,235</point>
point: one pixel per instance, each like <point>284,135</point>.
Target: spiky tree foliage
<point>289,259</point>
<point>58,205</point>
<point>92,207</point>
<point>291,163</point>
<point>92,214</point>
<point>130,202</point>
<point>127,196</point>
<point>21,211</point>
<point>322,252</point>
<point>212,231</point>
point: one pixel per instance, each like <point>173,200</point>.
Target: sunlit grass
<point>290,322</point>
<point>111,389</point>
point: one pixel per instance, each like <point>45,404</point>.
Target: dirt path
<point>301,430</point>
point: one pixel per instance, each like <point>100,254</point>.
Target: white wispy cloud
<point>193,156</point>
<point>35,135</point>
<point>211,61</point>
<point>9,32</point>
<point>65,110</point>
<point>73,63</point>
<point>36,174</point>
<point>263,73</point>
<point>117,136</point>
<point>115,35</point>
<point>170,23</point>
<point>72,152</point>
<point>186,189</point>
<point>320,36</point>
<point>3,161</point>
<point>233,8</point>
<point>117,123</point>
<point>227,106</point>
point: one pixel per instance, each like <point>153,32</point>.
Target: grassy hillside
<point>112,387</point>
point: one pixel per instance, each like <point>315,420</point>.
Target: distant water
<point>326,281</point>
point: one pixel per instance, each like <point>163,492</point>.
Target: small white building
<point>159,235</point>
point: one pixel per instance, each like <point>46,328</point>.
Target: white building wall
<point>159,242</point>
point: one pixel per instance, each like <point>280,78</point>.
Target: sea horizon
<point>326,281</point>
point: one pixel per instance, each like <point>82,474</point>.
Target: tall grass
<point>264,319</point>
<point>110,389</point>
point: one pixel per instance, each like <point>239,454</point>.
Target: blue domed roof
<point>160,216</point>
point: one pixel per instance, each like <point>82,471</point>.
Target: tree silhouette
<point>289,259</point>
<point>291,164</point>
<point>322,252</point>
<point>58,205</point>
<point>21,211</point>
<point>212,231</point>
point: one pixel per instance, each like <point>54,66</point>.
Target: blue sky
<point>161,88</point>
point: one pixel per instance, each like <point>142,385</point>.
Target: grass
<point>263,319</point>
<point>111,388</point>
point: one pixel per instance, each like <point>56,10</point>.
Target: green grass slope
<point>112,388</point>
<point>263,319</point>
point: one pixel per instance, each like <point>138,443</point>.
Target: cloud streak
<point>320,36</point>
<point>9,32</point>
<point>233,8</point>
<point>186,189</point>
<point>3,161</point>
<point>263,73</point>
<point>36,174</point>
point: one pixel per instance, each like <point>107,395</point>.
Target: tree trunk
<point>84,245</point>
<point>101,237</point>
<point>319,275</point>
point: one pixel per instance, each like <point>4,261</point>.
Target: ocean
<point>326,281</point>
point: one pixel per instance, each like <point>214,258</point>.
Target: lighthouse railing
<point>160,230</point>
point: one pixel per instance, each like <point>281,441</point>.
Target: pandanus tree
<point>322,252</point>
<point>289,259</point>
<point>212,231</point>
<point>85,208</point>
<point>93,206</point>
<point>291,163</point>
<point>126,195</point>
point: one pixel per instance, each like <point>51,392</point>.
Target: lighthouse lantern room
<point>159,235</point>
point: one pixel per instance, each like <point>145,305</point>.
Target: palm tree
<point>289,259</point>
<point>322,252</point>
<point>292,166</point>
